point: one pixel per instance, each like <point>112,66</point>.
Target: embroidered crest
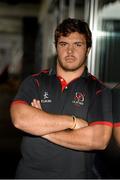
<point>46,98</point>
<point>79,98</point>
<point>45,95</point>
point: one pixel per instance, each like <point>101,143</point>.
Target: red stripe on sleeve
<point>19,101</point>
<point>101,123</point>
<point>117,124</point>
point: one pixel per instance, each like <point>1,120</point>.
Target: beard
<point>71,67</point>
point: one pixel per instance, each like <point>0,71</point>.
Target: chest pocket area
<point>50,95</point>
<point>78,104</point>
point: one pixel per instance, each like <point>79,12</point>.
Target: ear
<point>88,50</point>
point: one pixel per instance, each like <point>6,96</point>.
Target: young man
<point>65,111</point>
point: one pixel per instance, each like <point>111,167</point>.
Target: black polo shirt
<point>84,97</point>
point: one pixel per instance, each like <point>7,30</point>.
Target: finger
<point>34,103</point>
<point>39,105</point>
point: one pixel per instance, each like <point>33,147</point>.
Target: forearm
<point>66,138</point>
<point>87,138</point>
<point>38,122</point>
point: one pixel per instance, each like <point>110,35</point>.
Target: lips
<point>70,58</point>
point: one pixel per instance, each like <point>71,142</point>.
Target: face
<point>72,52</point>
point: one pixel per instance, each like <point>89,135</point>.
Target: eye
<point>78,44</point>
<point>62,44</point>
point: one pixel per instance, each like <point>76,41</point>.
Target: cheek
<point>61,53</point>
<point>81,53</point>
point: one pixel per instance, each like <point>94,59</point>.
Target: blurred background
<point>27,46</point>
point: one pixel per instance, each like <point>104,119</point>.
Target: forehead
<point>74,37</point>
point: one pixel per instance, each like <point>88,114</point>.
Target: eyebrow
<point>73,42</point>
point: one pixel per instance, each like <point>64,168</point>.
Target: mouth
<point>70,58</point>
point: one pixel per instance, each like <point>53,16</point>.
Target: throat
<point>69,76</point>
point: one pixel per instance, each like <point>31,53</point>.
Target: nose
<point>70,49</point>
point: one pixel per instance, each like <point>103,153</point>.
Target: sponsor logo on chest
<point>46,98</point>
<point>79,98</point>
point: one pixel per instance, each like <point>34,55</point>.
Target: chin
<point>70,69</point>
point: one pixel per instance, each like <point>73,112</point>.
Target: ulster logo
<point>46,98</point>
<point>79,98</point>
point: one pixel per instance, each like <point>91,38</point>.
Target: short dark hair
<point>71,25</point>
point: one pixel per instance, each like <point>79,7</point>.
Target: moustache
<point>70,56</point>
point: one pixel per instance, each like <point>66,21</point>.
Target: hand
<point>36,103</point>
<point>80,123</point>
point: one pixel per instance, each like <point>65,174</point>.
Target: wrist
<point>74,122</point>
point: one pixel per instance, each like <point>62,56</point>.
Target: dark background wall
<point>10,137</point>
<point>108,161</point>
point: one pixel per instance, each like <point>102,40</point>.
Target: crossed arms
<point>57,128</point>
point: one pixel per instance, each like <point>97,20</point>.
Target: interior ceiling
<point>78,2</point>
<point>12,2</point>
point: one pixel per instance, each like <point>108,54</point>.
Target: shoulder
<point>40,77</point>
<point>98,85</point>
<point>34,79</point>
<point>40,74</point>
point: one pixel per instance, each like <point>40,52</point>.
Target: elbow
<point>15,118</point>
<point>103,143</point>
<point>16,123</point>
<point>99,144</point>
<point>103,146</point>
<point>102,139</point>
<point>106,140</point>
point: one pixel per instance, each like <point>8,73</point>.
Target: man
<point>116,113</point>
<point>65,111</point>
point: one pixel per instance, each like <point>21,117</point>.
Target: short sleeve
<point>100,110</point>
<point>27,91</point>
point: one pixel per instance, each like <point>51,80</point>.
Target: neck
<point>68,76</point>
